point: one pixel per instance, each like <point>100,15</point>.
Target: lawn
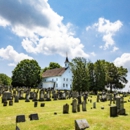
<point>98,119</point>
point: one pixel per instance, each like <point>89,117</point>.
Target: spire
<point>66,61</point>
<point>66,58</point>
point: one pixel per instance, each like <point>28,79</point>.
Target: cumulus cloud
<point>41,28</point>
<point>123,60</point>
<point>107,29</point>
<point>4,22</point>
<point>10,54</point>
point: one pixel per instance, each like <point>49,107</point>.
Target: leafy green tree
<point>115,76</point>
<point>99,79</point>
<point>52,65</point>
<point>91,75</point>
<point>26,73</point>
<point>80,79</point>
<point>4,79</point>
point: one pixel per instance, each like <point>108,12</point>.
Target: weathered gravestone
<point>16,99</point>
<point>8,95</point>
<point>65,109</point>
<point>94,105</point>
<point>41,96</point>
<point>78,108</point>
<point>81,124</point>
<point>74,106</point>
<point>120,105</point>
<point>27,97</point>
<point>83,106</point>
<point>31,95</point>
<point>34,96</point>
<point>79,99</point>
<point>98,97</point>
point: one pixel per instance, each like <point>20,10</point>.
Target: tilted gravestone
<point>65,109</point>
<point>81,124</point>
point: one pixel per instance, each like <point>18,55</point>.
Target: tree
<point>52,65</point>
<point>26,73</point>
<point>4,79</point>
<point>80,79</point>
<point>115,76</point>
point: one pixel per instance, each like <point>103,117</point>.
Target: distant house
<point>59,78</point>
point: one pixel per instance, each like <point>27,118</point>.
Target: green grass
<point>98,119</point>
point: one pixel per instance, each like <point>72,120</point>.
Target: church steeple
<point>66,61</point>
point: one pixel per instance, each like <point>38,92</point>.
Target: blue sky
<point>45,30</point>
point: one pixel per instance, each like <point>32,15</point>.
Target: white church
<point>59,78</point>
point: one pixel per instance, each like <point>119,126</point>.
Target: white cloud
<point>4,22</point>
<point>42,29</point>
<point>107,29</point>
<point>124,61</point>
<point>10,54</point>
<point>115,49</point>
<point>12,64</point>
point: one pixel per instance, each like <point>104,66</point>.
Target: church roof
<point>53,72</point>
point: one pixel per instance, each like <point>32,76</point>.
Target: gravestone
<point>4,99</point>
<point>21,92</point>
<point>27,97</point>
<point>120,105</point>
<point>34,116</point>
<point>34,96</point>
<point>55,96</point>
<point>16,99</point>
<point>10,102</point>
<point>85,98</point>
<point>94,105</point>
<point>74,106</point>
<point>41,96</point>
<point>113,111</point>
<point>65,109</point>
<point>78,108</point>
<point>42,104</point>
<point>79,99</point>
<point>8,95</point>
<point>63,95</point>
<point>5,103</point>
<point>35,104</point>
<point>98,97</point>
<point>31,95</point>
<point>81,124</point>
<point>83,106</point>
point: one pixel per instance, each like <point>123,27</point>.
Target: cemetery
<point>48,109</point>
